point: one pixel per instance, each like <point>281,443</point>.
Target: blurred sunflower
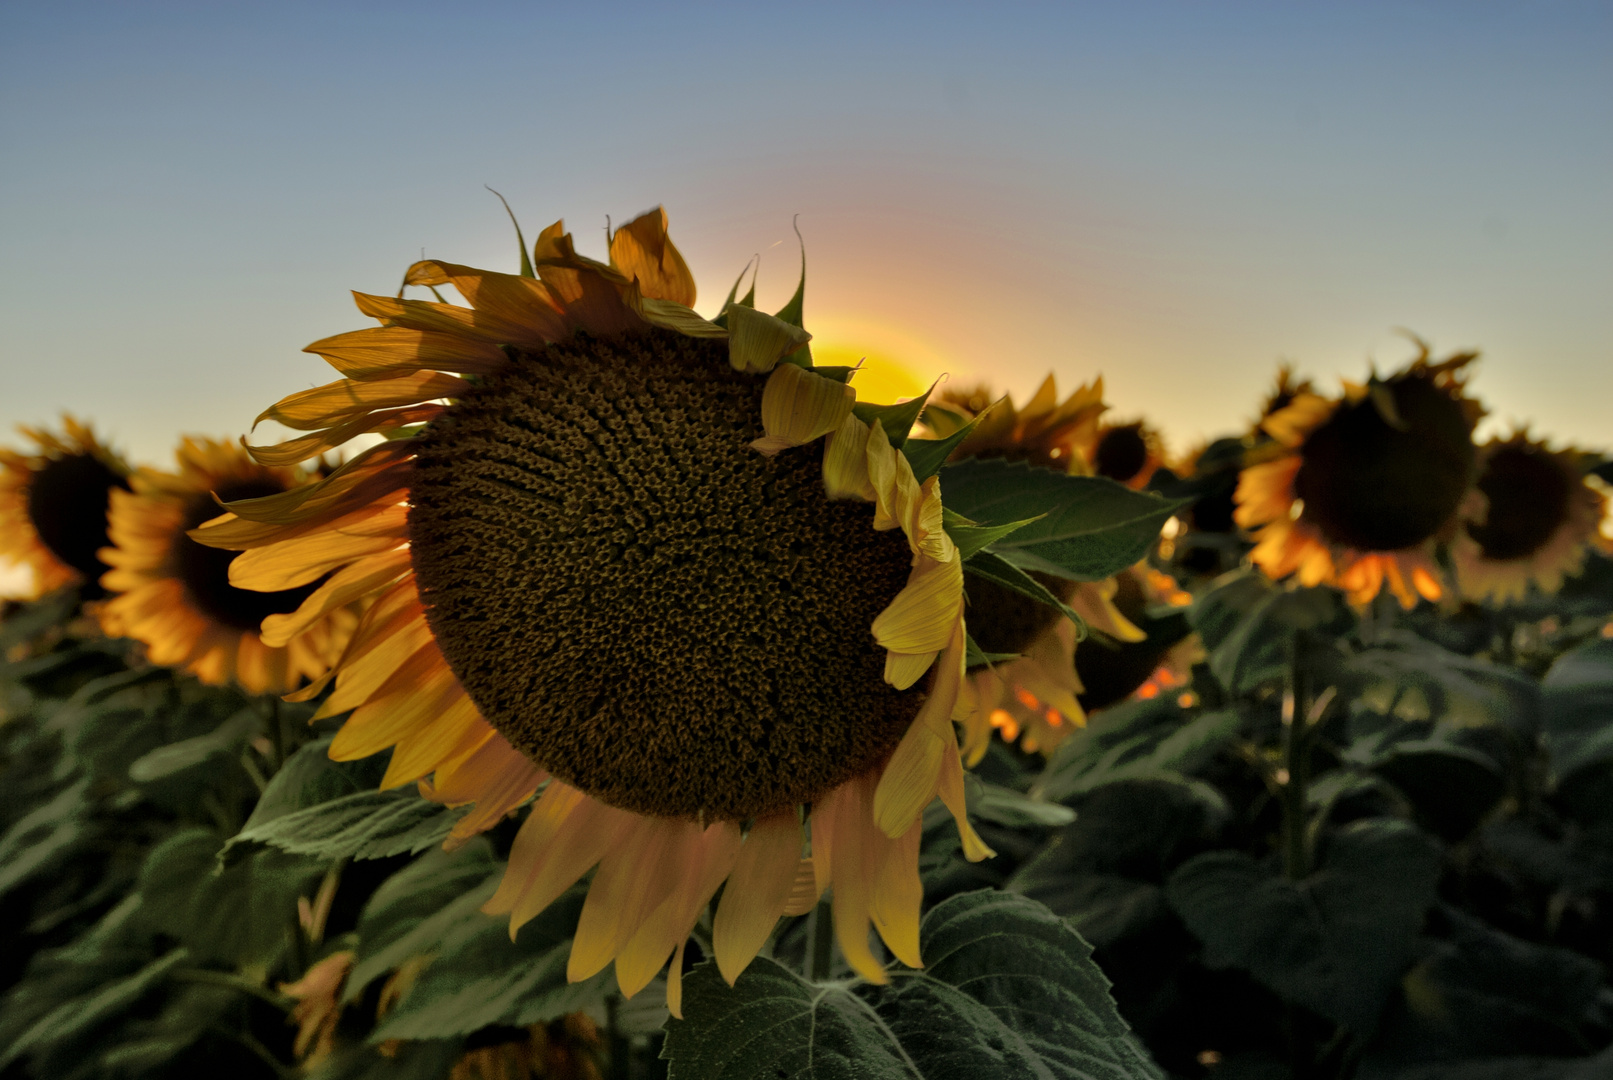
<point>1032,699</point>
<point>1362,487</point>
<point>175,595</point>
<point>1044,432</point>
<point>619,563</point>
<point>1129,453</point>
<point>53,505</point>
<point>1538,520</point>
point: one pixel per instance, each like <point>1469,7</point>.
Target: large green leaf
<point>363,825</point>
<point>1008,991</point>
<point>175,757</point>
<point>478,977</point>
<point>1337,942</point>
<point>236,914</point>
<point>1089,527</point>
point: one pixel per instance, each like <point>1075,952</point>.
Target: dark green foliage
<point>1008,991</point>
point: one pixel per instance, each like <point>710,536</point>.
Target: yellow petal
<point>799,406</point>
<point>345,399</point>
<point>845,462</point>
<point>298,561</point>
<point>295,450</point>
<point>757,341</point>
<point>686,321</point>
<point>346,586</point>
<point>757,893</point>
<point>923,615</point>
<point>705,858</point>
<point>898,895</point>
<point>641,249</point>
<point>951,792</point>
<point>524,307</point>
<point>908,782</point>
<point>562,838</point>
<point>634,875</point>
<point>385,351</point>
<point>444,319</point>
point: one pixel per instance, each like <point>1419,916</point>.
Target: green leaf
<point>1577,695</point>
<point>1014,809</point>
<point>1008,991</point>
<point>227,738</point>
<point>414,909</point>
<point>309,777</point>
<point>1249,627</point>
<point>926,456</point>
<point>794,312</point>
<point>236,915</point>
<point>478,977</point>
<point>1337,942</point>
<point>1168,742</point>
<point>971,537</point>
<point>897,419</point>
<point>44,837</point>
<point>994,568</point>
<point>363,825</point>
<point>79,1017</point>
<point>1087,528</point>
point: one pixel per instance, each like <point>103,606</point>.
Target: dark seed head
<point>641,603</point>
<point>67,501</point>
<point>1374,486</point>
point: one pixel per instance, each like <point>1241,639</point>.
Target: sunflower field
<point>586,688</point>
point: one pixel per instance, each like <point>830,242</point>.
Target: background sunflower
<point>53,505</point>
<point>174,595</point>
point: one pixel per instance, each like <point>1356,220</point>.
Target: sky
<point>1174,195</point>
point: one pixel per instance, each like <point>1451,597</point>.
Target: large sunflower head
<point>1360,488</point>
<point>1534,525</point>
<point>174,594</point>
<point>661,567</point>
<point>1045,431</point>
<point>53,505</point>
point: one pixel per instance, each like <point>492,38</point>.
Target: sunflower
<point>1128,453</point>
<point>174,594</point>
<point>626,558</point>
<point>1033,698</point>
<point>53,506</point>
<point>1044,432</point>
<point>1361,488</point>
<point>1538,519</point>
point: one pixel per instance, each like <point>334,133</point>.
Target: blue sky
<point>1175,195</point>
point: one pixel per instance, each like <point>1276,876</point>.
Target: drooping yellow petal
<point>496,777</point>
<point>898,895</point>
<point>909,780</point>
<point>705,859</point>
<point>345,399</point>
<point>562,838</point>
<point>845,462</point>
<point>642,249</point>
<point>799,406</point>
<point>920,620</point>
<point>757,341</point>
<point>634,875</point>
<point>758,892</point>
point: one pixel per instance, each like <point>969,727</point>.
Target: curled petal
<point>799,406</point>
<point>757,340</point>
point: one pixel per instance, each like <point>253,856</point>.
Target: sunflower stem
<point>1296,766</point>
<point>820,943</point>
<point>277,734</point>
